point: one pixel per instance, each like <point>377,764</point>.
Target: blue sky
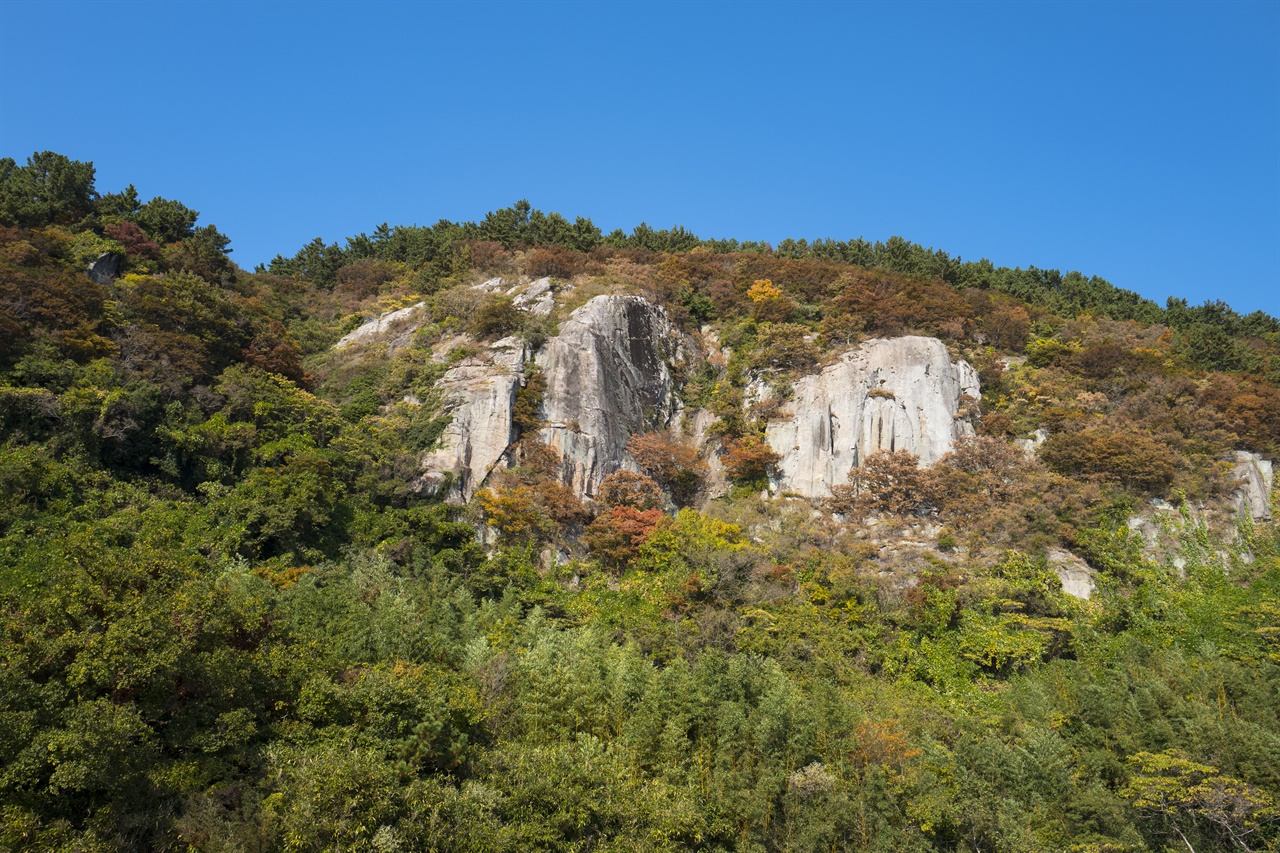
<point>1135,141</point>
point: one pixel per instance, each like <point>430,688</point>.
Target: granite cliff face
<point>1254,477</point>
<point>478,393</point>
<point>897,394</point>
<point>608,376</point>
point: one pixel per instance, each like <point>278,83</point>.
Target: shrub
<point>748,461</point>
<point>554,261</point>
<point>627,488</point>
<point>495,318</point>
<point>676,467</point>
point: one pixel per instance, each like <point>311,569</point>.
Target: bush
<point>554,261</point>
<point>627,488</point>
<point>676,467</point>
<point>495,318</point>
<point>1135,461</point>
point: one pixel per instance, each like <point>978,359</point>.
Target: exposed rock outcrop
<point>1254,476</point>
<point>896,394</point>
<point>1073,573</point>
<point>537,298</point>
<point>478,393</point>
<point>105,268</point>
<point>380,325</point>
<point>608,376</point>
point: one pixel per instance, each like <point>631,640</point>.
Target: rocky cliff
<point>478,394</point>
<point>608,375</point>
<point>898,394</point>
<point>1253,476</point>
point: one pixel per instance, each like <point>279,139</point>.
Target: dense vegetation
<point>232,622</point>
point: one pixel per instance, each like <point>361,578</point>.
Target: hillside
<point>514,535</point>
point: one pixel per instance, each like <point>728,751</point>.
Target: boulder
<point>896,394</point>
<point>105,268</point>
<point>1073,573</point>
<point>608,376</point>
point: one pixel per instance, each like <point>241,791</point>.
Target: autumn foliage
<point>748,460</point>
<point>615,536</point>
<point>675,467</point>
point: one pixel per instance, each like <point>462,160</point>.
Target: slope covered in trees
<point>233,622</point>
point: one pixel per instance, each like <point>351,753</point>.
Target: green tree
<point>51,188</point>
<point>165,220</point>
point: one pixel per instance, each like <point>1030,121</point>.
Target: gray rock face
<point>608,377</point>
<point>105,268</point>
<point>897,394</point>
<point>1254,476</point>
<point>537,298</point>
<point>478,393</point>
<point>379,325</point>
<point>1073,573</point>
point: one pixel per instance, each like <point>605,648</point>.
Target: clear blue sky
<point>1135,141</point>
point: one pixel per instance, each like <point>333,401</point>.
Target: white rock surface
<point>478,393</point>
<point>1074,573</point>
<point>379,325</point>
<point>838,421</point>
<point>607,377</point>
<point>537,298</point>
<point>1254,477</point>
<point>1032,445</point>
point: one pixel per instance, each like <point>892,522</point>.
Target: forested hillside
<point>238,618</point>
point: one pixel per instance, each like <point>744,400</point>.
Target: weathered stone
<point>1073,573</point>
<point>897,394</point>
<point>1032,445</point>
<point>478,393</point>
<point>380,325</point>
<point>608,377</point>
<point>537,298</point>
<point>1254,476</point>
<point>105,268</point>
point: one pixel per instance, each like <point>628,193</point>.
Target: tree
<point>768,302</point>
<point>888,482</point>
<point>627,488</point>
<point>203,253</point>
<point>51,188</point>
<point>515,511</point>
<point>1183,793</point>
<point>749,460</point>
<point>167,221</point>
<point>674,466</point>
<point>616,536</point>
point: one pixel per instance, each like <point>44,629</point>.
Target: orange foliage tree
<point>885,482</point>
<point>627,488</point>
<point>748,460</point>
<point>674,466</point>
<point>615,537</point>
